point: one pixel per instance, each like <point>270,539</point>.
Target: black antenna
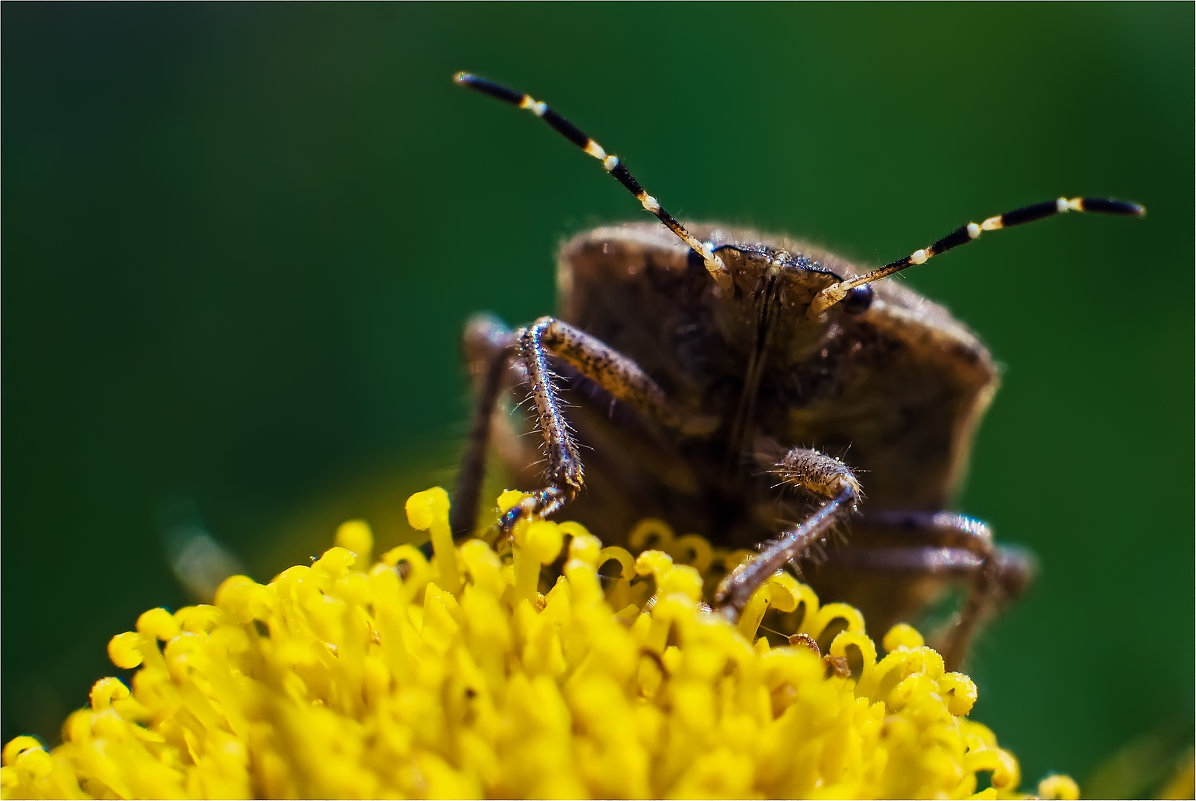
<point>610,162</point>
<point>966,233</point>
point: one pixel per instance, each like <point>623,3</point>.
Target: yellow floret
<point>488,673</point>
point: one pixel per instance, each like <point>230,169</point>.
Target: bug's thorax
<point>897,387</point>
<point>638,285</point>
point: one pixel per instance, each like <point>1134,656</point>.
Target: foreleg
<point>503,359</point>
<point>816,473</point>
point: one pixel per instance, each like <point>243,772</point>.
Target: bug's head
<point>771,291</point>
<point>793,278</point>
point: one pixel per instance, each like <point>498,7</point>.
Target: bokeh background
<point>240,241</point>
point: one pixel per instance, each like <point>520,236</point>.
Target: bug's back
<point>896,390</point>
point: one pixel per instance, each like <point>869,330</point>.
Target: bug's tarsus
<point>966,233</point>
<point>542,503</point>
<point>610,162</point>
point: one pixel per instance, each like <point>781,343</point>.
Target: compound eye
<point>857,300</point>
<point>694,260</point>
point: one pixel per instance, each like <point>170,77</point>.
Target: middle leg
<point>924,552</point>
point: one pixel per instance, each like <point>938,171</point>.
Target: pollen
<point>546,665</point>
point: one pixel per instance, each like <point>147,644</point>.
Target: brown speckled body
<point>756,390</point>
<point>895,391</point>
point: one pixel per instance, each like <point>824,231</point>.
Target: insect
<point>762,392</point>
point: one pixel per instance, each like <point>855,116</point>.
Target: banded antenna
<point>610,162</point>
<point>966,233</point>
<point>835,292</point>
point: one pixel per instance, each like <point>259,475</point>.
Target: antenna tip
<point>1112,206</point>
<point>463,78</point>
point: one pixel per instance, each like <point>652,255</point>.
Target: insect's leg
<point>489,349</point>
<point>614,372</point>
<point>946,545</point>
<point>814,472</point>
<point>966,233</point>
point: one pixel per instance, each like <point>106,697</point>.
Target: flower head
<point>553,667</point>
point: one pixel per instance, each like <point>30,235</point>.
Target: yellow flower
<point>463,677</point>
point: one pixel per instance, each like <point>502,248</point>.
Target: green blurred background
<point>240,242</point>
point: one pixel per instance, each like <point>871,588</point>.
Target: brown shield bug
<point>761,392</point>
